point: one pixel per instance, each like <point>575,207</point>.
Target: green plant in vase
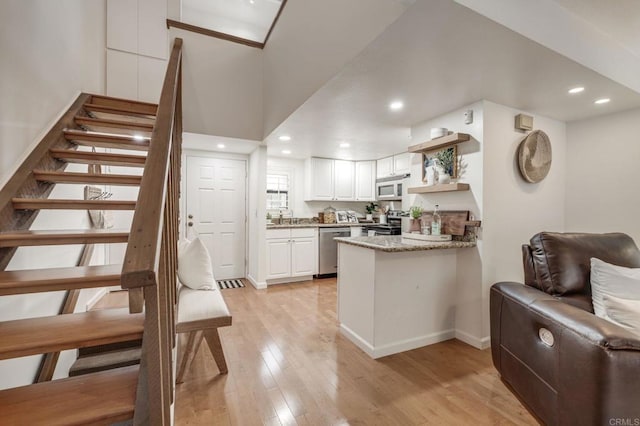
<point>370,208</point>
<point>416,212</point>
<point>446,160</point>
<point>416,215</point>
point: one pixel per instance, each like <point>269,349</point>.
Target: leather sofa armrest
<point>596,330</point>
<point>586,376</point>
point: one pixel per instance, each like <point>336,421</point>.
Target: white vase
<point>370,216</point>
<point>430,173</point>
<point>444,178</point>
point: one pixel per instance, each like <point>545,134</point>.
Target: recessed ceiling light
<point>286,151</point>
<point>576,90</point>
<point>396,105</point>
<point>345,145</point>
<point>602,101</point>
<point>221,145</point>
<point>285,138</point>
<point>138,137</point>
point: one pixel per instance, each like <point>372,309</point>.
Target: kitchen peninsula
<point>396,294</point>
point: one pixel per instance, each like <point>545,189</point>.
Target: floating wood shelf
<point>439,143</point>
<point>447,187</point>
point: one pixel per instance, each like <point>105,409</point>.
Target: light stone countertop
<point>396,243</point>
<point>315,225</point>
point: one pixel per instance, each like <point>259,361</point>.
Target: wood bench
<point>200,313</point>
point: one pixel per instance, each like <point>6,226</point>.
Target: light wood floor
<point>288,364</point>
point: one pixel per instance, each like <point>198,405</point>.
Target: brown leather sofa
<point>588,371</point>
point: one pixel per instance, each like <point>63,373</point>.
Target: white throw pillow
<point>624,312</point>
<point>194,265</point>
<point>612,280</point>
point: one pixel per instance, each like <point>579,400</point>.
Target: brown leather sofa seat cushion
<point>561,262</point>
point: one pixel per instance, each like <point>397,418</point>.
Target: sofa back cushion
<point>561,261</point>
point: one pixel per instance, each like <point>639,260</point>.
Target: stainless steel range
<point>392,227</point>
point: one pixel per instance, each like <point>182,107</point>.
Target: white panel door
<point>344,178</point>
<point>365,181</point>
<point>153,35</point>
<point>278,259</point>
<point>150,78</point>
<point>122,74</point>
<point>304,257</point>
<point>216,207</point>
<point>122,25</point>
<point>321,179</point>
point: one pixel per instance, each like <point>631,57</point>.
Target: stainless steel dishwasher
<point>328,249</point>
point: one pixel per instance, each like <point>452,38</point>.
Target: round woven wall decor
<point>534,156</point>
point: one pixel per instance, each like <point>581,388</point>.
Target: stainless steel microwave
<point>390,189</point>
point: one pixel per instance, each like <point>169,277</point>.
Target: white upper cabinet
<point>330,180</point>
<point>365,181</point>
<point>320,179</point>
<point>398,164</point>
<point>344,180</point>
<point>402,163</point>
<point>384,167</point>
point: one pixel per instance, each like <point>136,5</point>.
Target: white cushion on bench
<point>194,265</point>
<point>198,305</point>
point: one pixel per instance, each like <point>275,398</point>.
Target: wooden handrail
<point>142,257</point>
<point>150,262</point>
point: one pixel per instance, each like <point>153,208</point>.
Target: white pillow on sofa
<point>194,265</point>
<point>624,312</point>
<point>609,280</point>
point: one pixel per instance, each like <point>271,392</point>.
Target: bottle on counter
<point>436,223</point>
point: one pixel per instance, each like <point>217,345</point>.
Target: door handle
<point>190,216</point>
<point>190,224</point>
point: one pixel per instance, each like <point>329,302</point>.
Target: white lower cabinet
<point>291,254</point>
<point>304,260</point>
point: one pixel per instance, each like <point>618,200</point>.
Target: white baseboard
<point>257,284</point>
<point>96,297</point>
<point>467,338</point>
<point>357,340</point>
<point>396,347</point>
<point>290,280</point>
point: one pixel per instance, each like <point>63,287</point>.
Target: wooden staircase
<point>141,393</point>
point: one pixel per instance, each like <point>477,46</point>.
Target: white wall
<point>49,53</point>
<point>468,315</point>
<point>511,210</point>
<point>222,87</point>
<point>257,262</point>
<point>603,175</point>
<point>313,41</point>
<point>514,210</point>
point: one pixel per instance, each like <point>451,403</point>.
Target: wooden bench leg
<point>186,354</point>
<point>215,346</point>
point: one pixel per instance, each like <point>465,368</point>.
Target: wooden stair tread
<point>102,140</point>
<point>59,204</point>
<point>103,123</point>
<point>99,398</point>
<point>109,101</point>
<point>34,336</point>
<point>86,178</point>
<point>105,158</point>
<point>118,110</point>
<point>39,238</point>
<point>105,361</point>
<point>56,279</point>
